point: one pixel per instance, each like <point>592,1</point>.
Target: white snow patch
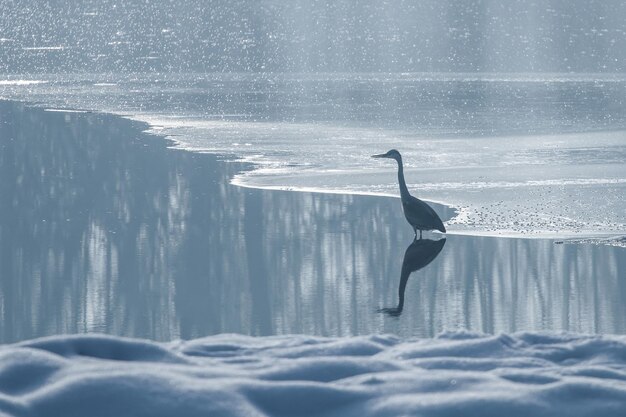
<point>21,82</point>
<point>66,110</point>
<point>44,48</point>
<point>459,373</point>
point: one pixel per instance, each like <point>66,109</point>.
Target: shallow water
<point>104,229</point>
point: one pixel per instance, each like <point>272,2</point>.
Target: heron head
<point>392,154</point>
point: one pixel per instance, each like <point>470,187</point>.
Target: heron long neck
<point>404,192</point>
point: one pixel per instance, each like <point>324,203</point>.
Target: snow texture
<point>467,374</point>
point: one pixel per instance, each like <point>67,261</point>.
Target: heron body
<point>419,214</point>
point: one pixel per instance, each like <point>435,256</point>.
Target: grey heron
<point>419,214</point>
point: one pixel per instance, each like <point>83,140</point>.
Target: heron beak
<point>380,155</point>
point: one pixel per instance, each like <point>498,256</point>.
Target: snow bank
<point>465,374</point>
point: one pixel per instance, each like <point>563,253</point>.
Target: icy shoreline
<point>460,373</point>
<point>514,162</point>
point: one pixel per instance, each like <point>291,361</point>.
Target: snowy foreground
<point>523,374</point>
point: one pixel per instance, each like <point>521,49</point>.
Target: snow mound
<point>233,375</point>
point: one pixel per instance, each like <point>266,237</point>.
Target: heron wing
<point>421,216</point>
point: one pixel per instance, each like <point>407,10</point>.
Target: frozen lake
<point>518,154</point>
<point>104,229</point>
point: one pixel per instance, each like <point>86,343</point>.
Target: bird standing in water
<point>419,214</point>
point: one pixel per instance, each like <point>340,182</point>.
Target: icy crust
<point>536,186</point>
<point>521,374</point>
<point>557,185</point>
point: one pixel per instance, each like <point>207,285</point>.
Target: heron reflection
<point>418,255</point>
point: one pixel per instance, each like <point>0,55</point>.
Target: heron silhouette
<point>419,254</point>
<point>419,214</point>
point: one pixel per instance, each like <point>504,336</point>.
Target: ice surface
<point>20,82</point>
<point>543,185</point>
<point>466,374</point>
<point>516,154</point>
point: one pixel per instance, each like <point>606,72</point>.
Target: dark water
<point>104,229</point>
